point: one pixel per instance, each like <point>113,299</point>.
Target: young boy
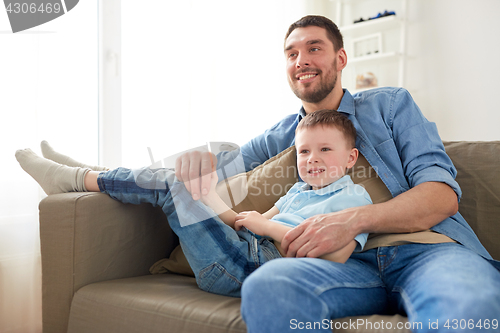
<point>325,143</point>
<point>222,255</point>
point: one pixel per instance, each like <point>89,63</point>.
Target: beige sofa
<point>97,254</point>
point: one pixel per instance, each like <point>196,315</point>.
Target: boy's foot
<point>49,153</point>
<point>53,177</point>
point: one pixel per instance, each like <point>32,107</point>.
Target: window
<point>49,91</point>
<point>198,71</point>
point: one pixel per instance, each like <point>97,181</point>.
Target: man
<point>434,278</point>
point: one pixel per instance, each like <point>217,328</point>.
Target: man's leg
<point>287,294</point>
<point>220,257</point>
<point>443,287</point>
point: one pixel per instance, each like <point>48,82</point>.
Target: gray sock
<point>53,177</point>
<point>49,153</point>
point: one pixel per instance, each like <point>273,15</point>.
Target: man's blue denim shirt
<point>396,139</point>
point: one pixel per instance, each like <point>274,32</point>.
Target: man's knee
<point>266,278</point>
<point>454,282</point>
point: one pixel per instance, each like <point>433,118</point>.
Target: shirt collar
<point>302,113</point>
<point>346,105</point>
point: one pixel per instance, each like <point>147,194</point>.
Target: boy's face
<point>323,155</point>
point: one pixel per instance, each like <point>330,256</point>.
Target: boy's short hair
<point>330,118</point>
<point>332,31</point>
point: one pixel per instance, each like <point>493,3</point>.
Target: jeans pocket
<point>216,279</point>
<point>269,250</point>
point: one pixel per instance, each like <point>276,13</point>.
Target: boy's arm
<point>343,254</point>
<point>260,224</point>
<point>214,201</point>
<point>226,214</point>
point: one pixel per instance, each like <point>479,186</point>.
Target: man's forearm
<point>419,208</point>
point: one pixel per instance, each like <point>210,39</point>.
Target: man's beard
<point>323,90</point>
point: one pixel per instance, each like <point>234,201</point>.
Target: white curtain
<point>48,91</point>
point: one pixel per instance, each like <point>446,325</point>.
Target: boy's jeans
<point>221,258</point>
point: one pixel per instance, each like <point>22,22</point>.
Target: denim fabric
<point>396,139</point>
<point>221,258</point>
<point>434,285</point>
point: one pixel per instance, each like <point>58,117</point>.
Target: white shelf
<point>387,35</point>
<point>374,57</point>
<point>367,27</point>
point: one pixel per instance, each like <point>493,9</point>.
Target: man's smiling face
<point>311,64</point>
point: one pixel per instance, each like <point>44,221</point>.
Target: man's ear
<point>341,59</point>
<point>353,157</point>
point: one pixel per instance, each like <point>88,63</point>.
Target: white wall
<point>453,68</point>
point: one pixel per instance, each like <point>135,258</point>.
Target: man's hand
<point>321,234</point>
<point>253,221</point>
<point>417,209</point>
<point>196,169</point>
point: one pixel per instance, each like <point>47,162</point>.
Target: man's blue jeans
<point>221,258</point>
<point>443,286</point>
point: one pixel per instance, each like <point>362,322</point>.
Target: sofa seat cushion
<point>174,303</point>
<point>153,303</point>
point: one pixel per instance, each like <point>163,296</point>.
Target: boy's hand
<point>253,221</point>
<point>209,198</point>
<point>196,170</point>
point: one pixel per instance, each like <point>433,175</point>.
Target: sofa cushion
<point>477,166</point>
<point>266,183</point>
<point>153,304</point>
<point>173,303</point>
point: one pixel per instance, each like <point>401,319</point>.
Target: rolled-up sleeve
<point>419,145</point>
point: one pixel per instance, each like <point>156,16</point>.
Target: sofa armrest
<point>89,237</point>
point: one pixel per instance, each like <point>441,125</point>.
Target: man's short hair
<point>332,31</point>
<point>330,118</point>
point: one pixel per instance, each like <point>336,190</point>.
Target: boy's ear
<point>353,157</point>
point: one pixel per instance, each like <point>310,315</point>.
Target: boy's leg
<point>220,257</point>
<point>90,181</point>
<point>53,177</point>
<point>49,153</point>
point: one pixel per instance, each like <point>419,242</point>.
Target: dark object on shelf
<point>379,15</point>
<point>384,14</point>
